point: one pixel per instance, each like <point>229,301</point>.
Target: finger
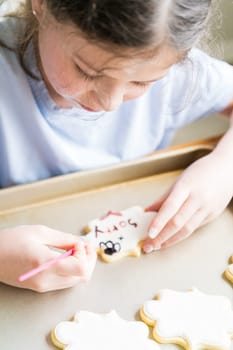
<point>79,249</point>
<point>56,238</point>
<point>168,209</point>
<point>75,265</point>
<point>72,266</point>
<point>49,282</point>
<point>90,247</point>
<point>194,223</point>
<point>91,257</point>
<point>157,205</point>
<point>175,224</point>
<point>47,252</point>
<point>83,263</point>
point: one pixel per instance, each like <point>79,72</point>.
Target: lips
<point>88,108</point>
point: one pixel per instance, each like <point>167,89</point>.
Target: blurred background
<point>221,46</point>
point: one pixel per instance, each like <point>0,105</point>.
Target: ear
<point>38,8</point>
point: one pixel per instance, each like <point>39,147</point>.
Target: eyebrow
<point>87,64</point>
<point>99,71</point>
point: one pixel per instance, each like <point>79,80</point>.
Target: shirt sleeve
<point>198,87</point>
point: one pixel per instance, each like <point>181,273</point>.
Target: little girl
<point>80,81</point>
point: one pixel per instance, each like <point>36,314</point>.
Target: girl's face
<point>78,72</point>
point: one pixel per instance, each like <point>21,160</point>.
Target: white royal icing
<point>120,232</point>
<point>198,318</point>
<point>229,272</point>
<point>103,332</point>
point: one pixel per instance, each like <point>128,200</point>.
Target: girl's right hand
<point>26,247</point>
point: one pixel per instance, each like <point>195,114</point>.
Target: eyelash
<point>87,77</point>
<point>140,84</point>
<point>84,75</point>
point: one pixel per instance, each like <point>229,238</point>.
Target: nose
<point>111,95</point>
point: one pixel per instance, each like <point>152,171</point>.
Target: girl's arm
<point>26,247</point>
<point>199,195</point>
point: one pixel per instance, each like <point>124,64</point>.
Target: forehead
<point>104,57</point>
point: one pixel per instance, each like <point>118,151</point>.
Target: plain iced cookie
<point>91,331</point>
<point>229,271</point>
<point>191,319</point>
<point>119,233</point>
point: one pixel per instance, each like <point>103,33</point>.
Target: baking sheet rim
<point>82,193</point>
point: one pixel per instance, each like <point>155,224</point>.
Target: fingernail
<point>157,247</point>
<point>147,248</point>
<point>153,233</point>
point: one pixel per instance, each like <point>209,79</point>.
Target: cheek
<point>134,92</point>
<point>59,72</point>
<point>62,77</point>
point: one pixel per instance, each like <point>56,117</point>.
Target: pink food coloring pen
<point>45,265</point>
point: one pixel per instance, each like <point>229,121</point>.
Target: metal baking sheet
<point>26,317</point>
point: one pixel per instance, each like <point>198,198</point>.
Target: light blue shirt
<point>39,140</point>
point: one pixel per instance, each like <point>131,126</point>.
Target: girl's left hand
<point>199,195</point>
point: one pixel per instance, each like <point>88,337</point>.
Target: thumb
<point>57,239</point>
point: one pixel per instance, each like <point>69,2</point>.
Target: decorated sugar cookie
<point>229,271</point>
<point>90,331</point>
<point>191,319</point>
<point>118,234</point>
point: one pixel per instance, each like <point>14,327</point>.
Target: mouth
<point>88,108</point>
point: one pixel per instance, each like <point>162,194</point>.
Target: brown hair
<point>132,24</point>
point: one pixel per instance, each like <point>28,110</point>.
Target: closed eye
<point>84,75</point>
<point>141,83</point>
<point>88,77</point>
